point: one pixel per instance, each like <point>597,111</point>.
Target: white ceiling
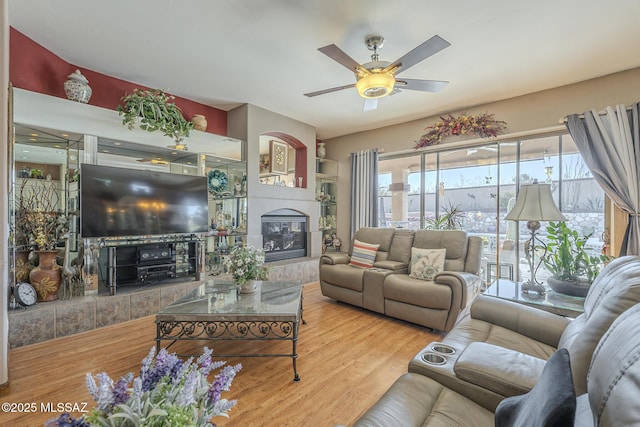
<point>225,53</point>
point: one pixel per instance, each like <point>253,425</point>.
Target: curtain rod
<point>600,113</point>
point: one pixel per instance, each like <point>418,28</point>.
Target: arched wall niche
<point>296,146</point>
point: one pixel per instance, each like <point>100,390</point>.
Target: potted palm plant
<point>572,268</point>
<point>153,110</point>
<point>451,219</point>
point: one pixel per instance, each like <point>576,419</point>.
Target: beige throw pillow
<point>427,263</point>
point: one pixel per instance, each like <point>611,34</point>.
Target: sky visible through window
<point>485,175</point>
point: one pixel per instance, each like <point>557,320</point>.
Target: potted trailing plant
<point>572,268</point>
<point>153,110</point>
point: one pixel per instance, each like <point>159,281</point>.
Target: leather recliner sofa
<point>501,347</point>
<point>387,286</point>
<point>610,398</point>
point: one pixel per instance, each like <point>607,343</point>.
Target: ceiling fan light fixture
<point>375,85</point>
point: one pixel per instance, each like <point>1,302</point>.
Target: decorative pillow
<point>426,263</point>
<point>551,403</point>
<point>364,254</point>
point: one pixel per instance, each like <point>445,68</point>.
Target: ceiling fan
<point>377,79</point>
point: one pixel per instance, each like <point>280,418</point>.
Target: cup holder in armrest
<point>433,358</point>
<point>442,348</point>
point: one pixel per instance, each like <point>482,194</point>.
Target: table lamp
<point>534,204</point>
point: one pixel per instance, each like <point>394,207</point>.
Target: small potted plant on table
<point>246,265</point>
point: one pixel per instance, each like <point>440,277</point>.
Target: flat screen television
<point>119,202</point>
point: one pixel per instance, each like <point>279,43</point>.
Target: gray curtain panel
<point>610,146</point>
<point>364,189</point>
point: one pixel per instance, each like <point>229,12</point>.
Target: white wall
<point>537,110</point>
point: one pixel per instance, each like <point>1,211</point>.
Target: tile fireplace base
<point>46,321</point>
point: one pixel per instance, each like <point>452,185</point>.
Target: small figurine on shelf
<point>336,242</point>
<point>237,188</point>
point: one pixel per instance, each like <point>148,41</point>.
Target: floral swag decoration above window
<point>481,125</point>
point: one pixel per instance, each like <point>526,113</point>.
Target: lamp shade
<point>535,203</point>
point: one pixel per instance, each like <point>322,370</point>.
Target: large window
<point>474,188</point>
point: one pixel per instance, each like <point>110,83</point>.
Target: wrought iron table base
<point>221,330</point>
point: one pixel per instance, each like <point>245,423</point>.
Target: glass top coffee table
<point>216,310</point>
<point>551,301</point>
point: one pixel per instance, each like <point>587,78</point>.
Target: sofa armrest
<point>532,322</point>
<point>459,283</point>
<point>501,370</point>
<point>335,258</point>
<point>395,266</point>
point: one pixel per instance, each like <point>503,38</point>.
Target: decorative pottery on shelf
<point>321,151</point>
<point>77,87</point>
<point>576,289</point>
<point>248,287</point>
<point>199,122</point>
<point>46,276</point>
<point>23,266</point>
<point>218,183</point>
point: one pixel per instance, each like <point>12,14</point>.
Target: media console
<point>131,262</point>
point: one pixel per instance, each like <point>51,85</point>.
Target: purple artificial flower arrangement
<point>168,392</point>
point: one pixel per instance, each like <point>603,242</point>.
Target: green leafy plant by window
<point>451,219</point>
<point>153,110</point>
<point>567,258</point>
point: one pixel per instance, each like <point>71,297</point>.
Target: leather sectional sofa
<point>500,350</point>
<point>610,398</point>
<point>388,287</point>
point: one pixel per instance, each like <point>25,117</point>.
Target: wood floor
<point>347,357</point>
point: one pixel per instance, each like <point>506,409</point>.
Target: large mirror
<point>44,177</point>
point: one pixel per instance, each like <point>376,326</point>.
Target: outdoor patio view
<point>473,189</point>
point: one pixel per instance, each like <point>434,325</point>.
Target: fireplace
<point>284,234</point>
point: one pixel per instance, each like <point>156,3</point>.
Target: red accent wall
<point>34,68</point>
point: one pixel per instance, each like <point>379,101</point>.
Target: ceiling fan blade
<point>423,85</point>
<point>333,89</point>
<point>338,55</point>
<point>432,46</point>
<point>370,104</point>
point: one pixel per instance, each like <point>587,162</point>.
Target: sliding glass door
<point>473,189</point>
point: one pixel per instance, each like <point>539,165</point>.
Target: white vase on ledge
<point>321,150</point>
